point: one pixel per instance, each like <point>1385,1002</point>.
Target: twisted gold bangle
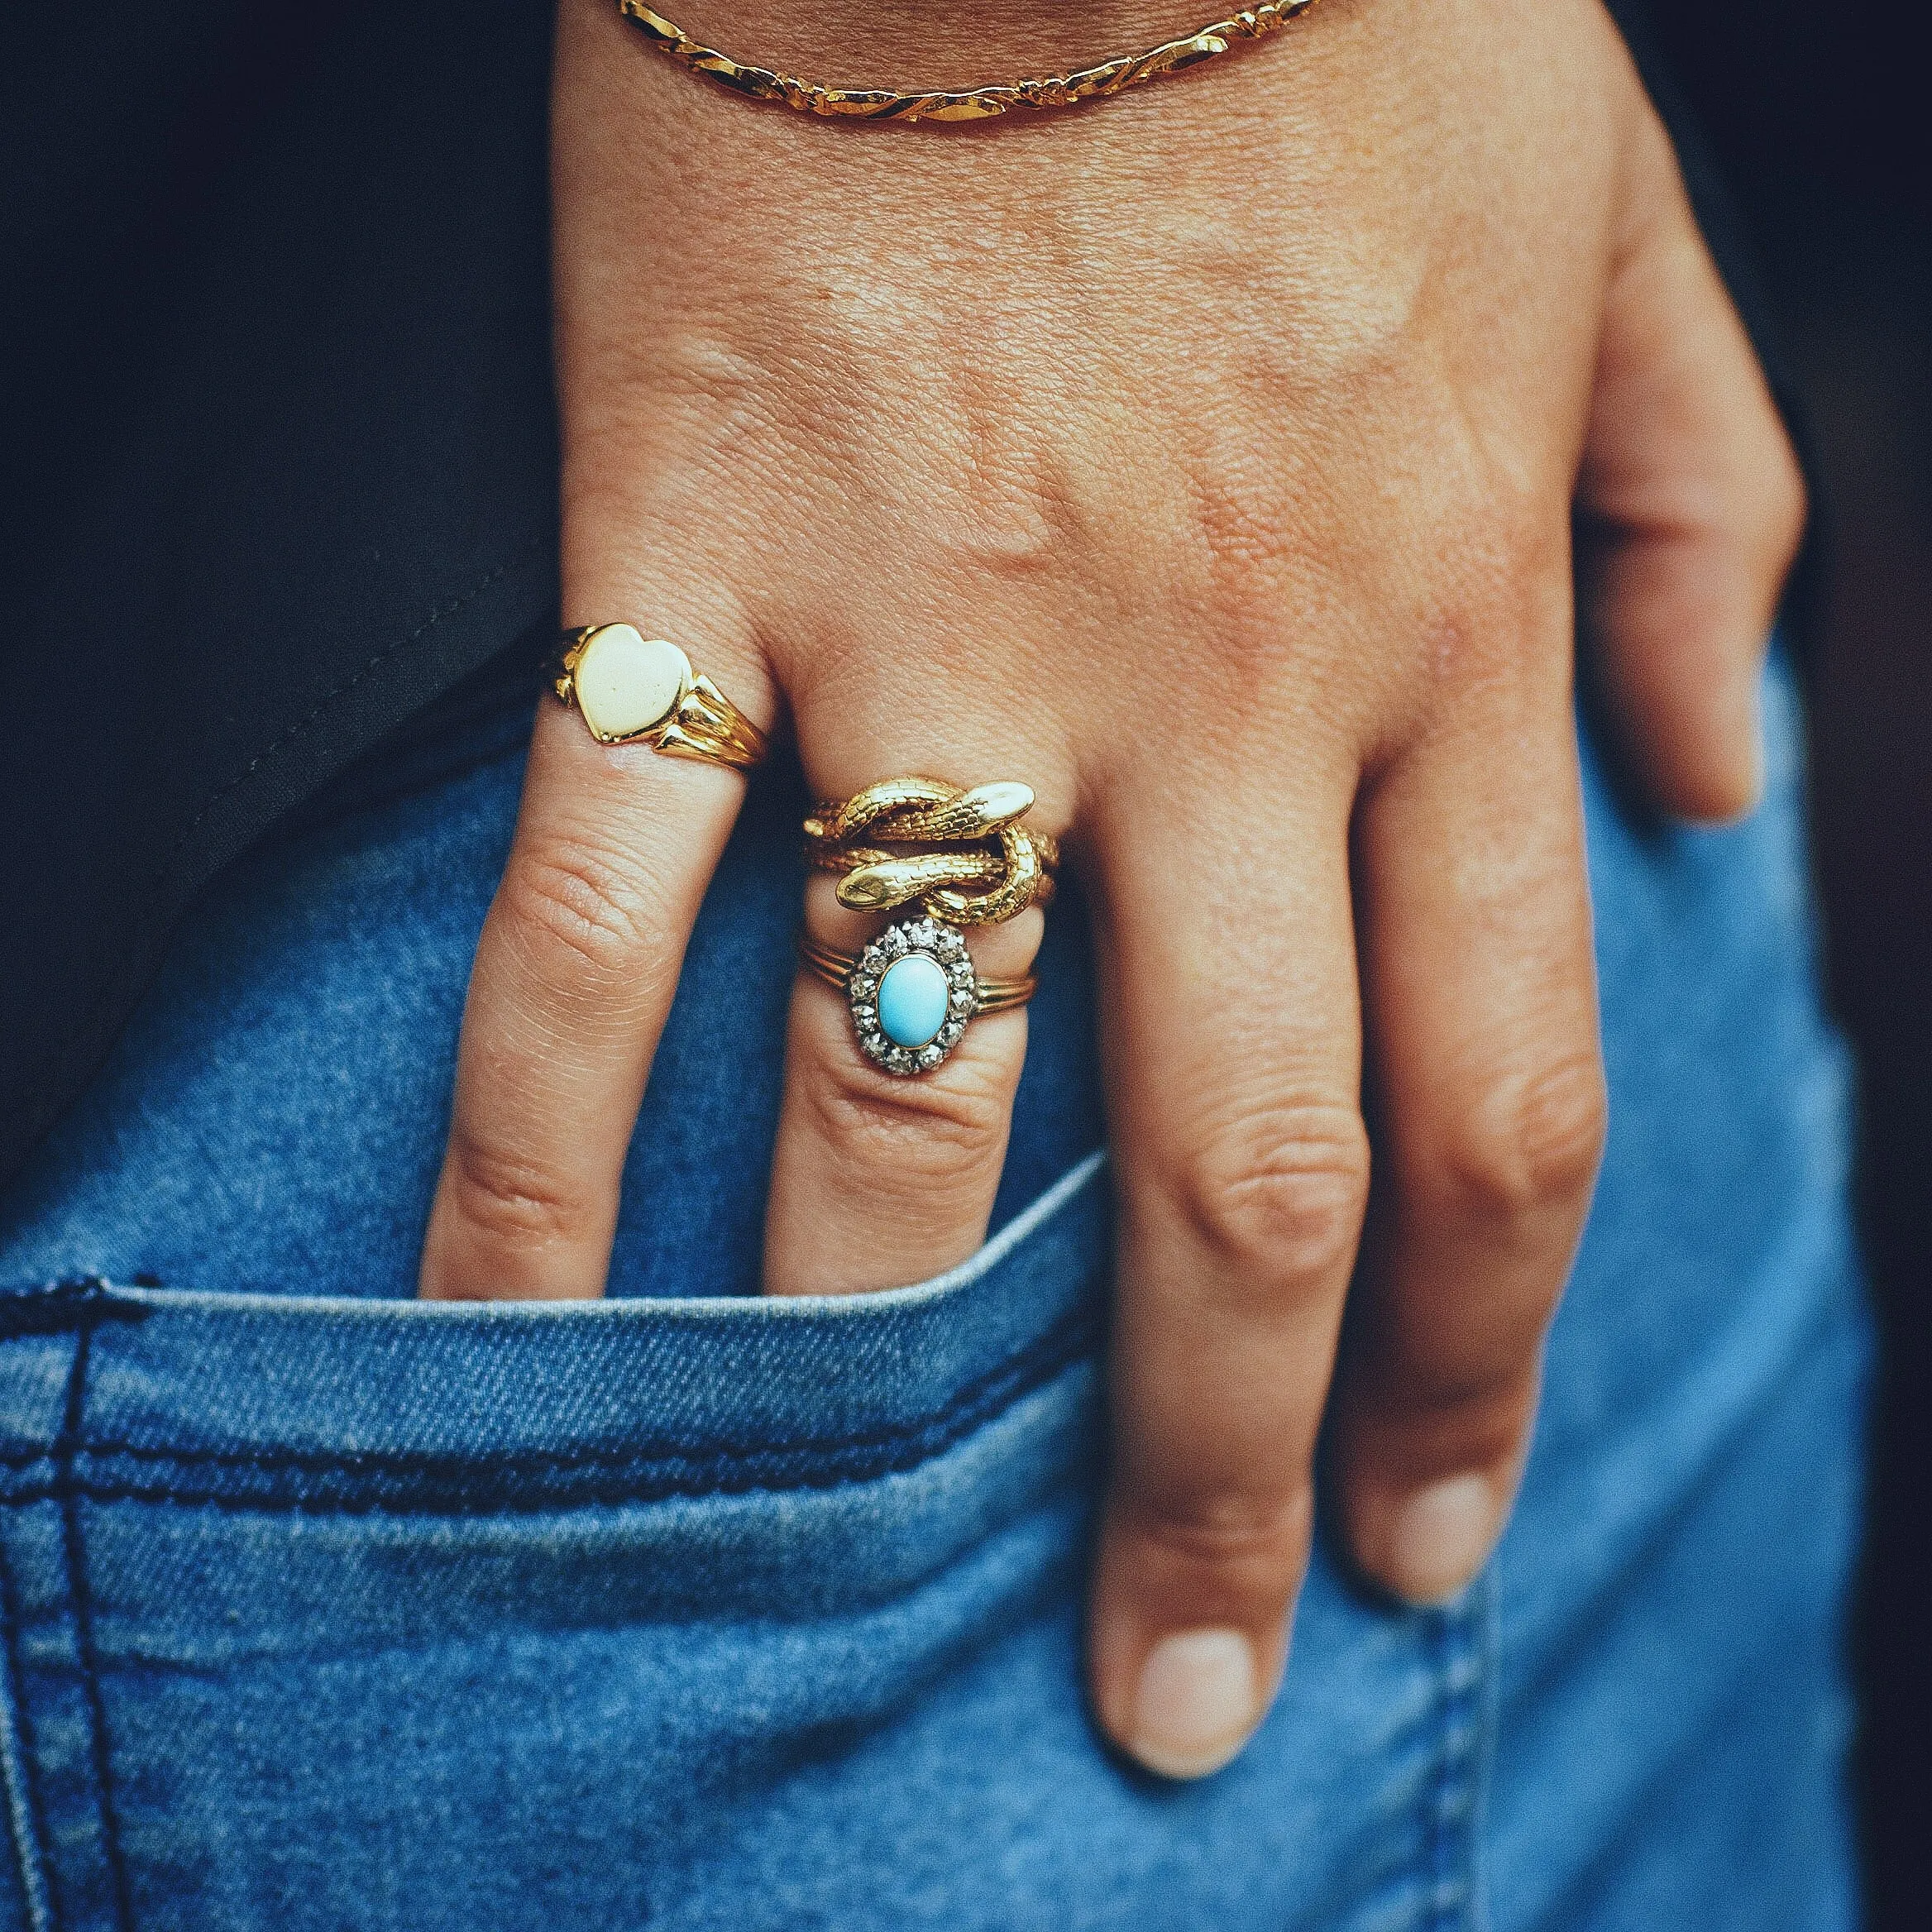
<point>974,103</point>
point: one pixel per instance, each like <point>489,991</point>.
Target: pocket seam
<point>25,1810</point>
<point>403,1482</point>
<point>57,1307</point>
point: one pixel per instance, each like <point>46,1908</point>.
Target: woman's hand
<point>1206,460</point>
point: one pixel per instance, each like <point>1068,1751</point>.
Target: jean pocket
<point>324,1406</point>
<point>336,1614</point>
<point>276,1564</point>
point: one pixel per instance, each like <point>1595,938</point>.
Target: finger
<point>1242,1163</point>
<point>615,845</point>
<point>1480,988</point>
<point>1690,508</point>
<point>574,975</point>
<point>878,1178</point>
<point>881,1179</point>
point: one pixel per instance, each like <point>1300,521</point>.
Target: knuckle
<point>1473,1418</point>
<point>1462,1406</point>
<point>577,909</point>
<point>1012,506</point>
<point>1256,1543</point>
<point>512,1203</point>
<point>1280,1193</point>
<point>1531,1141</point>
<point>1499,556</point>
<point>1244,517</point>
<point>938,1129</point>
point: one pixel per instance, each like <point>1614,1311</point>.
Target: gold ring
<point>963,855</point>
<point>913,993</point>
<point>634,690</point>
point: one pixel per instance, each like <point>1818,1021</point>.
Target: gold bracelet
<point>974,103</point>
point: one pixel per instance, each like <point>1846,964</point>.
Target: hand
<point>1206,459</point>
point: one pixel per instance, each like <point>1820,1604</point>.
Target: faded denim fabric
<point>323,1610</point>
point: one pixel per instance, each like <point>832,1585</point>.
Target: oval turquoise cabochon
<point>912,1000</point>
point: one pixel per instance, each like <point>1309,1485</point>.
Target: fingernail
<point>1439,1538</point>
<point>1197,1702</point>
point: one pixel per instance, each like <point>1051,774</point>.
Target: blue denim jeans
<point>327,1610</point>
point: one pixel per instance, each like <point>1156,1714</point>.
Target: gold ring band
<point>940,992</point>
<point>638,689</point>
<point>961,854</point>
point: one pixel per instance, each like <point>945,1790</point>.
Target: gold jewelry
<point>633,690</point>
<point>912,1024</point>
<point>979,843</point>
<point>976,104</point>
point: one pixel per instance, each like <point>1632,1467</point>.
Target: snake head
<point>883,883</point>
<point>996,805</point>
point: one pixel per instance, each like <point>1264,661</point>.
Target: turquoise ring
<point>912,992</point>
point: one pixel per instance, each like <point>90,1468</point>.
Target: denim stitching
<point>379,801</point>
<point>61,1308</point>
<point>1451,1797</point>
<point>24,1814</point>
<point>420,1483</point>
<point>1441,1786</point>
<point>65,1450</point>
<point>1018,1371</point>
<point>530,543</point>
<point>1483,1754</point>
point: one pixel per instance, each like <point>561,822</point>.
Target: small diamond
<point>931,1056</point>
<point>962,998</point>
<point>951,1034</point>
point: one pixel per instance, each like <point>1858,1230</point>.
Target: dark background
<point>1821,122</point>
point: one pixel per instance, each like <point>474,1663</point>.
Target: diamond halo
<point>947,949</point>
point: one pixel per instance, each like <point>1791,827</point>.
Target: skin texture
<point>1210,460</point>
